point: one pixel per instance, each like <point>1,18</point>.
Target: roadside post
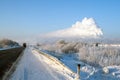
<point>78,71</point>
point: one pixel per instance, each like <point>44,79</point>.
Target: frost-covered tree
<point>8,43</point>
<point>90,53</point>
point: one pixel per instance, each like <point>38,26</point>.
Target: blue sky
<point>24,18</point>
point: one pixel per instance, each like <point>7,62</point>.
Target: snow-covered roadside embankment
<point>57,64</point>
<point>35,66</point>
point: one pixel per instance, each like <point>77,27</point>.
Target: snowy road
<point>34,66</point>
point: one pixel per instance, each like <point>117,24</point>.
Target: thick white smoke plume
<point>87,28</point>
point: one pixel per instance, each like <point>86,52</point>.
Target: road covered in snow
<point>35,66</point>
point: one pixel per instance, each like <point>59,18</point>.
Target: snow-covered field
<point>88,72</point>
<point>35,66</point>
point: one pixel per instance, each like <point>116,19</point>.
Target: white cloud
<point>86,28</point>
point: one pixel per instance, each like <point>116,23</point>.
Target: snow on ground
<point>9,48</point>
<point>110,45</point>
<point>88,72</point>
<point>34,66</point>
